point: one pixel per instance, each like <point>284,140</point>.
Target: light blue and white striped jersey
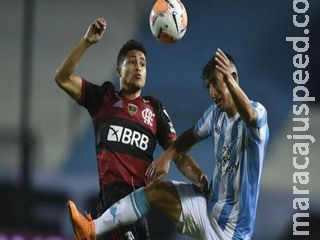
<point>238,151</point>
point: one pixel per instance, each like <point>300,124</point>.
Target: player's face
<point>133,72</point>
<point>219,92</point>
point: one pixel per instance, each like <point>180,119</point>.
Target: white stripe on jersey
<point>226,144</point>
<point>230,228</point>
<point>205,128</point>
<point>217,130</point>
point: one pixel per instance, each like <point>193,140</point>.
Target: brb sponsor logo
<point>127,136</point>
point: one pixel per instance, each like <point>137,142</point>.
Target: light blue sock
<point>126,211</point>
<point>139,198</point>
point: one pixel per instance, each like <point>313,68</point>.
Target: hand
<point>204,187</point>
<point>95,31</point>
<point>203,184</point>
<point>223,64</point>
<point>158,169</point>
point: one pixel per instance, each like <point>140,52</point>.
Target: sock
<point>126,211</point>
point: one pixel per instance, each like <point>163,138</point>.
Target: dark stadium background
<point>46,140</point>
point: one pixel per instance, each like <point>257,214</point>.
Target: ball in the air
<point>168,20</point>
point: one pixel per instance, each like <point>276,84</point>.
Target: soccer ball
<point>168,20</point>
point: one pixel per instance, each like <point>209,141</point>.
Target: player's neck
<point>131,95</point>
<point>231,112</point>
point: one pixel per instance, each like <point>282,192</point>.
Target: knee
<point>160,192</point>
<point>164,196</point>
<point>155,190</point>
<point>158,185</point>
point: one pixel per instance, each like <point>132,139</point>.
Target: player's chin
<point>221,108</point>
<point>139,83</point>
<point>136,87</point>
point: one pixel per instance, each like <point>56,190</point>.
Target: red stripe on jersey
<point>117,167</point>
<point>145,115</point>
<point>167,137</point>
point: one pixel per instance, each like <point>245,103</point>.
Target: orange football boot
<point>83,226</point>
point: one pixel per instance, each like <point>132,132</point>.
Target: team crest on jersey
<point>148,116</point>
<point>132,109</point>
<point>226,154</point>
<point>224,165</point>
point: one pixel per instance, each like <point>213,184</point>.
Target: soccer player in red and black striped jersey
<point>127,125</point>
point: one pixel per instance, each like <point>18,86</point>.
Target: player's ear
<point>234,76</point>
<point>118,70</point>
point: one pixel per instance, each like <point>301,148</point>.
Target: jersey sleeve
<point>256,131</point>
<point>165,130</point>
<point>92,95</point>
<point>203,127</point>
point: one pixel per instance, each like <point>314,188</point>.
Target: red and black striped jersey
<point>126,132</point>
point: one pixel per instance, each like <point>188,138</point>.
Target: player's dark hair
<point>210,67</point>
<point>128,46</point>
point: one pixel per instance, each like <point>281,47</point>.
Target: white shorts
<point>194,218</point>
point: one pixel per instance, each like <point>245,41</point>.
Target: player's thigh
<point>164,196</point>
<point>194,219</point>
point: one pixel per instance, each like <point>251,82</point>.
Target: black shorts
<point>112,193</point>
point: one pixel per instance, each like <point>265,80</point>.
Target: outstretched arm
<point>190,169</point>
<point>240,99</point>
<point>177,151</point>
<point>64,76</point>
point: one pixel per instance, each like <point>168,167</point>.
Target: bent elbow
<point>60,78</point>
<point>57,77</point>
<point>252,119</point>
<point>252,122</point>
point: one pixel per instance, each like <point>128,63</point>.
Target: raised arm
<point>64,76</point>
<point>240,99</point>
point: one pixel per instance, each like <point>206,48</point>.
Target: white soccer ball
<point>168,20</point>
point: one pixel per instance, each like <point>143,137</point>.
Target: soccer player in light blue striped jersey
<point>239,132</point>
